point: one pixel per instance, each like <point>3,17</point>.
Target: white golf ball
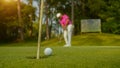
<point>48,51</point>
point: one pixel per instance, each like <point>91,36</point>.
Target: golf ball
<point>47,51</point>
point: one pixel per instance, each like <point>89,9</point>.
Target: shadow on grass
<point>41,57</point>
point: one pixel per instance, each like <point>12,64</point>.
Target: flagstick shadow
<point>41,57</point>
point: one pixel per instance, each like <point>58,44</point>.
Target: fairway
<point>72,57</point>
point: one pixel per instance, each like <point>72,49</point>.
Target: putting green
<point>72,57</point>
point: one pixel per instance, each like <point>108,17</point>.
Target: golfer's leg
<point>69,34</point>
<point>65,37</point>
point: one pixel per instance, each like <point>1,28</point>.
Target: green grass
<point>88,51</point>
<point>73,57</point>
<point>88,39</point>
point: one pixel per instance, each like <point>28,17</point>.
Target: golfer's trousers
<point>68,34</point>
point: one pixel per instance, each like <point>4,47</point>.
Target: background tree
<point>106,10</point>
<point>9,20</point>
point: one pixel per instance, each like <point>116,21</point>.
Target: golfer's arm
<point>67,21</point>
<point>63,26</point>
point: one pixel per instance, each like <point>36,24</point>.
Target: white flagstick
<point>40,28</point>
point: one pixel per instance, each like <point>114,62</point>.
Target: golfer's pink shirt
<point>63,20</point>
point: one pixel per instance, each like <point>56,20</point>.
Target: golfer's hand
<point>64,28</point>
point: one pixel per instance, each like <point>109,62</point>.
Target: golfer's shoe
<point>67,46</point>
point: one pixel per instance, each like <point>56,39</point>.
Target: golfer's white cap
<point>58,15</point>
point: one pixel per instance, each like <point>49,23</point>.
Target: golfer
<point>67,28</point>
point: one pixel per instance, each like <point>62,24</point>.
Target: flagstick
<point>40,28</point>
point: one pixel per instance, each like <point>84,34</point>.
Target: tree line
<point>9,23</point>
<point>106,10</point>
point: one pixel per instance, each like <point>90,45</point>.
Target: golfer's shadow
<point>41,57</point>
